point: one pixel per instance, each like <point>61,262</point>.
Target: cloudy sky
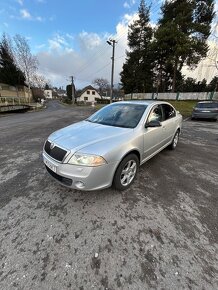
<point>69,37</point>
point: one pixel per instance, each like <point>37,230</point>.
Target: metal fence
<point>173,96</point>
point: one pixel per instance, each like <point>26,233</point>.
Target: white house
<point>88,94</point>
<point>48,94</point>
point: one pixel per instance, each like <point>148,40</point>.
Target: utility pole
<point>112,42</point>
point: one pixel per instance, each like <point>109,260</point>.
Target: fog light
<point>79,184</point>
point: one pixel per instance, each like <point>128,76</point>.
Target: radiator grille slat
<point>56,152</point>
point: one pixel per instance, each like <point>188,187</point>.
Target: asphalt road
<point>161,233</point>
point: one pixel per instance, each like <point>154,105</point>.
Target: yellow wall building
<point>8,93</point>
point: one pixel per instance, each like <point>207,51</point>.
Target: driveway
<point>161,233</point>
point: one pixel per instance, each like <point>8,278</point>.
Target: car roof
<point>143,102</point>
<point>206,102</point>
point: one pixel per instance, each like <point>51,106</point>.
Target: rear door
<point>169,122</point>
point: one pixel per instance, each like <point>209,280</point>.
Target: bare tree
<point>38,84</point>
<point>25,60</point>
<point>38,81</point>
<point>102,85</point>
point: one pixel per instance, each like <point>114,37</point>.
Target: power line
<point>82,68</point>
<point>155,8</point>
<point>93,73</point>
<point>101,51</point>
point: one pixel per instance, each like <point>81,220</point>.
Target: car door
<point>153,136</point>
<point>169,122</point>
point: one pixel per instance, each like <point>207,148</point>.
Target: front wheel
<point>175,141</point>
<point>126,172</point>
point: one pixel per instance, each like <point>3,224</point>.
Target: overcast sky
<point>69,37</point>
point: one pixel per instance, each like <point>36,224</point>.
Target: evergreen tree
<point>47,86</point>
<point>70,92</point>
<point>136,75</point>
<point>9,72</point>
<point>202,86</point>
<point>213,85</point>
<point>189,85</point>
<point>181,37</point>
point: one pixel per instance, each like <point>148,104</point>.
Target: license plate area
<point>50,165</point>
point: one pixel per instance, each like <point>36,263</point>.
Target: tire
<point>175,141</point>
<point>126,172</point>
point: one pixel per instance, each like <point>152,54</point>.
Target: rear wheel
<point>126,172</point>
<point>175,141</point>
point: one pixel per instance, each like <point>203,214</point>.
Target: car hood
<point>82,134</point>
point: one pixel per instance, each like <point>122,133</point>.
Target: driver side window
<point>155,114</point>
<point>168,112</point>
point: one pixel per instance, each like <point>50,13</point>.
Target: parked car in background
<point>205,110</point>
<point>107,148</point>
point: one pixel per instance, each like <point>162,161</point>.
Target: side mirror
<point>153,124</point>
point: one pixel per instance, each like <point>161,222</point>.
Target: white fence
<point>173,96</point>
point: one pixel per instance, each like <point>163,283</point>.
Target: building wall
<point>48,94</point>
<point>7,91</point>
<point>89,96</point>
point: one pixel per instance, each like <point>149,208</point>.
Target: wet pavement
<point>161,233</point>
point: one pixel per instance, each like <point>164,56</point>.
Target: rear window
<point>207,105</point>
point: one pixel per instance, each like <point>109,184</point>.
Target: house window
<point>88,92</point>
<point>86,98</point>
<point>93,92</point>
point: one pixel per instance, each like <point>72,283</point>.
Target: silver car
<point>108,148</point>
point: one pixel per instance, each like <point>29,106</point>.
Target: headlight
<point>86,160</point>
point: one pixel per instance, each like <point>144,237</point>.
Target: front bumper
<point>80,177</point>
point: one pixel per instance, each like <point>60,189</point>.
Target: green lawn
<point>184,107</point>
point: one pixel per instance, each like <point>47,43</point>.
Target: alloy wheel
<point>128,173</point>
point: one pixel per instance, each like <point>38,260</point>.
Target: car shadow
<point>202,120</point>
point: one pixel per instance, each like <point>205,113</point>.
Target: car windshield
<point>207,105</point>
<point>119,115</point>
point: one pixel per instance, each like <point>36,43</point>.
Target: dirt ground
<point>161,233</point>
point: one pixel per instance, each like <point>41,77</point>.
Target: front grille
<point>56,152</point>
<point>64,180</point>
